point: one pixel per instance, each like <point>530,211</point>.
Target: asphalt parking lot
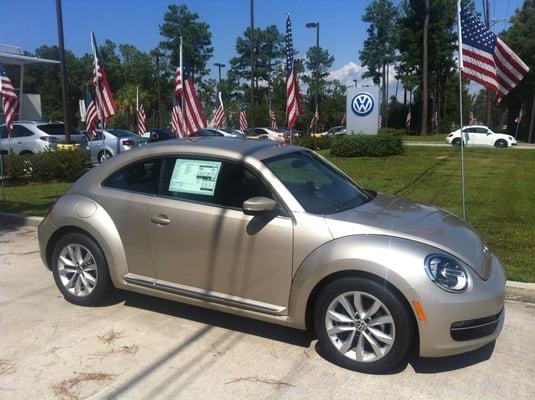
<point>140,347</point>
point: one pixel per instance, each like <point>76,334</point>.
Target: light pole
<point>219,66</point>
<point>157,55</point>
<point>63,71</point>
<point>317,26</point>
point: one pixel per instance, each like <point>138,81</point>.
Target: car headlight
<point>446,273</point>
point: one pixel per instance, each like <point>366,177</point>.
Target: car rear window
<point>121,133</point>
<point>56,129</point>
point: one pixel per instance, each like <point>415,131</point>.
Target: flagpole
<point>181,67</point>
<point>460,42</point>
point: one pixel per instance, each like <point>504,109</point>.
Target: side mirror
<point>259,206</point>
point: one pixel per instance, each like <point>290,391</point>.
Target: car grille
<point>474,328</point>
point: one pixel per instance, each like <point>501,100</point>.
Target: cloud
<point>347,73</point>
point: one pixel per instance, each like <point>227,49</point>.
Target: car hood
<point>401,217</point>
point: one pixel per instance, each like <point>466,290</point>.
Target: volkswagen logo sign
<point>362,104</point>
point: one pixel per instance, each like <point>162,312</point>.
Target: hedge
<point>50,165</point>
<point>315,143</point>
<point>367,145</point>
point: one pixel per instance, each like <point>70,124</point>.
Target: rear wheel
<point>456,142</point>
<point>500,143</point>
<point>104,155</point>
<point>362,325</point>
<point>80,269</point>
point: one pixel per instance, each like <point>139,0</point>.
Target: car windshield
<point>164,133</point>
<point>121,133</point>
<point>319,188</point>
<point>56,129</point>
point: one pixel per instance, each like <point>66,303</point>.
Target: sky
<point>31,23</point>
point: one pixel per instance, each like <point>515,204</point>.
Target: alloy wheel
<point>360,326</point>
<point>77,270</point>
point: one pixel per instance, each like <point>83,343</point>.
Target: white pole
<point>460,41</point>
<point>183,105</point>
<point>137,97</point>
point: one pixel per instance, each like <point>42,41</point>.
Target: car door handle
<point>160,220</point>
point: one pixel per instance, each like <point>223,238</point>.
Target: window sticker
<point>194,176</point>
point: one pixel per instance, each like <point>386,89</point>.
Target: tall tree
<point>521,38</point>
<point>326,61</point>
<point>378,50</point>
<point>196,36</point>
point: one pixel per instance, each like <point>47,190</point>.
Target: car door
<point>469,136</point>
<point>95,145</point>
<point>126,195</point>
<point>487,137</point>
<point>203,245</point>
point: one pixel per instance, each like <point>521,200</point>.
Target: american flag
<point>343,120</point>
<point>219,113</point>
<point>243,119</point>
<point>141,128</point>
<point>10,101</point>
<point>315,119</point>
<point>178,124</point>
<point>380,121</point>
<point>471,118</point>
<point>105,102</point>
<point>487,59</point>
<point>91,116</point>
<point>194,118</point>
<point>293,97</point>
<point>272,119</point>
<point>408,120</point>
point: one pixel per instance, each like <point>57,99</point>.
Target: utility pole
<point>317,26</point>
<point>63,71</point>
<point>252,66</point>
<point>486,15</point>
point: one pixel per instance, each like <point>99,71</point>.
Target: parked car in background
<point>159,134</point>
<point>335,130</point>
<point>480,135</point>
<point>279,234</point>
<point>29,137</point>
<point>112,141</point>
<point>215,132</point>
<point>237,132</point>
<point>265,133</point>
<point>286,133</point>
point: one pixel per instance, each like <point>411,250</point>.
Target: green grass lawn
<point>425,138</point>
<point>500,193</point>
<point>32,199</point>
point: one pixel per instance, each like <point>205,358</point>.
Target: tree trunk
<point>532,120</point>
<point>387,94</point>
<point>423,118</point>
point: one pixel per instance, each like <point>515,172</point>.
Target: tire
<point>502,144</point>
<point>456,142</point>
<point>104,155</point>
<point>92,279</point>
<point>396,333</point>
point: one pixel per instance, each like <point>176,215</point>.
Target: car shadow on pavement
<point>212,317</point>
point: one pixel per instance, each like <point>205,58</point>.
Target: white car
<point>479,135</point>
<point>265,133</point>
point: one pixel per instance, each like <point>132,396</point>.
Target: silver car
<point>30,137</point>
<point>111,141</point>
<point>277,233</point>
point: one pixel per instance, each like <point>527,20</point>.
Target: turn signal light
<point>419,309</point>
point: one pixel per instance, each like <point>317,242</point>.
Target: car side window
<point>3,132</point>
<point>142,177</point>
<point>221,183</point>
<point>21,131</point>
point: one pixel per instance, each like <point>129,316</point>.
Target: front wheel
<point>501,144</point>
<point>362,325</point>
<point>456,142</point>
<point>80,269</point>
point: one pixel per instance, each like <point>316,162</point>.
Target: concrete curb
<point>517,291</point>
<point>18,219</point>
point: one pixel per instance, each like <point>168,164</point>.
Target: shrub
<point>367,145</point>
<point>51,165</point>
<point>315,143</point>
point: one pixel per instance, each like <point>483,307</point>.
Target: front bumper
<point>479,310</point>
